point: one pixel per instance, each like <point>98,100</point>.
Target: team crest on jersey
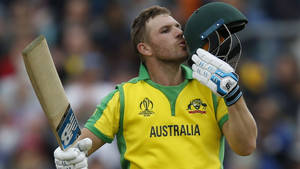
<point>146,106</point>
<point>197,106</point>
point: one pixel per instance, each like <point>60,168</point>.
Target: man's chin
<point>178,60</point>
<point>183,58</point>
<point>185,55</point>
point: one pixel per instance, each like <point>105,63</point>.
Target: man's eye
<point>178,26</point>
<point>165,31</point>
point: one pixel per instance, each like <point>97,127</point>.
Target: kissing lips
<point>182,43</point>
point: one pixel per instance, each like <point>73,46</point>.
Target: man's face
<point>165,37</point>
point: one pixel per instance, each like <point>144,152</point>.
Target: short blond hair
<point>138,27</point>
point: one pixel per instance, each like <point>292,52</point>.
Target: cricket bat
<point>50,92</point>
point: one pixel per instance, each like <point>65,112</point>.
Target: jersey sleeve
<point>104,123</point>
<point>222,112</point>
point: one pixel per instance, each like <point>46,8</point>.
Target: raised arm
<point>240,130</point>
<point>96,141</point>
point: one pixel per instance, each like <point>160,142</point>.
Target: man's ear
<point>144,49</point>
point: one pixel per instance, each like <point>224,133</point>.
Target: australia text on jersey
<point>175,130</point>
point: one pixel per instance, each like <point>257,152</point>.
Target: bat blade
<point>50,92</point>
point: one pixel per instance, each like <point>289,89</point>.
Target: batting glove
<point>217,75</point>
<point>74,157</point>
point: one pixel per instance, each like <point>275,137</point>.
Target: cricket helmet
<point>215,24</point>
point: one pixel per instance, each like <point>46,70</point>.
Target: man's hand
<point>75,157</point>
<point>217,75</point>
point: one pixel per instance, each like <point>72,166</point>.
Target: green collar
<point>144,75</point>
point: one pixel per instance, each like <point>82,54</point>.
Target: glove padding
<point>216,74</point>
<point>74,157</point>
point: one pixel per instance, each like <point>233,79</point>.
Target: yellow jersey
<point>163,127</point>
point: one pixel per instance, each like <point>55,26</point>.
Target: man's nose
<point>179,33</point>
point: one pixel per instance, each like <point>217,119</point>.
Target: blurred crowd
<point>90,43</point>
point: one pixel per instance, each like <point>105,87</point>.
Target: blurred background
<point>90,44</point>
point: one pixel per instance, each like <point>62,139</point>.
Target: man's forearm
<point>96,142</point>
<point>240,130</point>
